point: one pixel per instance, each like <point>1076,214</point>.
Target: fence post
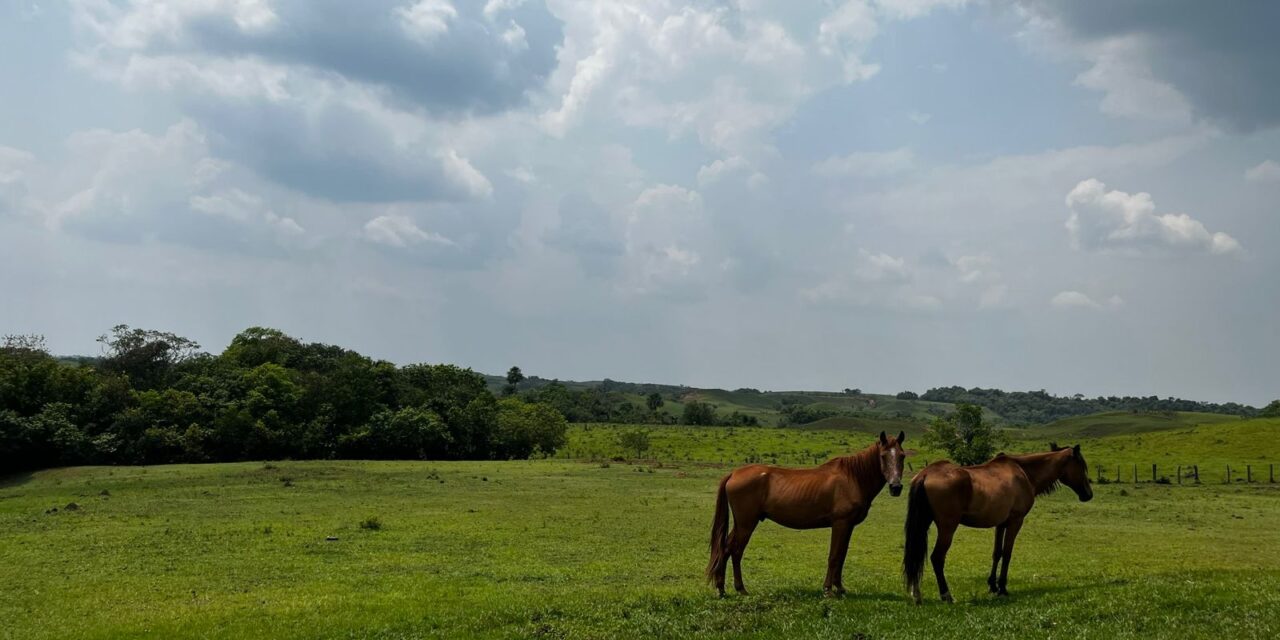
<point>1099,474</point>
<point>1153,472</point>
<point>1196,467</point>
<point>1248,473</point>
<point>1179,474</point>
<point>1135,473</point>
<point>1228,481</point>
<point>1272,468</point>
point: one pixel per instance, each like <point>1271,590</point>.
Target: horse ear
<point>1076,450</point>
<point>902,437</point>
<point>883,438</point>
<point>1053,446</point>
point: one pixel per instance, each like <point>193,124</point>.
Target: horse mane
<point>1049,488</point>
<point>864,465</point>
<point>1034,460</point>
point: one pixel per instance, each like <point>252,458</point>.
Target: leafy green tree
<point>699,413</point>
<point>654,401</point>
<point>411,432</point>
<point>527,428</point>
<point>964,435</point>
<point>146,356</point>
<point>259,345</point>
<point>636,440</point>
<point>1272,410</point>
<point>907,395</point>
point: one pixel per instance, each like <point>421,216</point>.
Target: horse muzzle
<point>895,490</point>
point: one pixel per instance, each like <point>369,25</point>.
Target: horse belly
<point>987,511</point>
<point>799,516</point>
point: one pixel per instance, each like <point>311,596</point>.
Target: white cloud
<point>494,7</point>
<point>245,208</point>
<point>974,268</point>
<point>427,20</point>
<point>919,117</point>
<point>1070,299</point>
<point>670,248</point>
<point>522,174</point>
<point>1265,171</point>
<point>727,75</point>
<point>1102,219</point>
<point>867,164</point>
<point>397,230</point>
<point>515,37</point>
<point>15,164</point>
<point>993,296</point>
<point>721,169</point>
<point>1129,87</point>
<point>881,268</point>
<point>907,9</point>
<point>1077,300</point>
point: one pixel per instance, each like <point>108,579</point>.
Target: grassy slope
<point>1212,445</point>
<point>562,549</point>
<point>1125,422</point>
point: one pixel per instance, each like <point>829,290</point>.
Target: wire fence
<point>1130,473</point>
<point>1187,474</point>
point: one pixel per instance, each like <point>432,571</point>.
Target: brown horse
<point>998,493</point>
<point>837,494</point>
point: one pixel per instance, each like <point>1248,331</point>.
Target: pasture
<point>575,549</point>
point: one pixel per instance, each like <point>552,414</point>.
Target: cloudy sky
<point>887,194</point>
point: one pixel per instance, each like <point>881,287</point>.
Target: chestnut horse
<point>998,493</point>
<point>837,494</point>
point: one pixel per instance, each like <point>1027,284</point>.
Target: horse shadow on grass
<point>1033,592</point>
<point>808,594</point>
<point>982,599</point>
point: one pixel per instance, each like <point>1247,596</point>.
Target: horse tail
<point>719,530</point>
<point>919,517</point>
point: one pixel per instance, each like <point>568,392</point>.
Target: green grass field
<point>576,549</point>
<point>1210,441</point>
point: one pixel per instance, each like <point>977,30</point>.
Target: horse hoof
<point>1003,593</point>
<point>946,597</point>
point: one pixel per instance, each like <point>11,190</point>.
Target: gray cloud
<point>1221,57</point>
<point>471,62</point>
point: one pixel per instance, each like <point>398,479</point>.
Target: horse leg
<point>840,532</point>
<point>721,564</point>
<point>1010,535</point>
<point>939,558</point>
<point>995,558</point>
<point>742,530</point>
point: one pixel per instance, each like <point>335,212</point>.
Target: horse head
<point>892,458</point>
<point>1075,473</point>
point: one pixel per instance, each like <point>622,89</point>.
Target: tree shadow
<point>15,479</point>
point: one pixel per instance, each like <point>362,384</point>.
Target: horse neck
<point>1043,469</point>
<point>864,468</point>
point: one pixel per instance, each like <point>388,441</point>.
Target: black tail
<point>919,517</point>
<point>719,530</point>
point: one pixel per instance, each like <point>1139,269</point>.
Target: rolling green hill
<point>1126,422</point>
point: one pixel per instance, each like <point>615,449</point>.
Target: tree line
<point>154,397</point>
<point>1039,407</point>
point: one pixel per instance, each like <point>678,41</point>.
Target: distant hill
<point>612,401</point>
<point>1116,423</point>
